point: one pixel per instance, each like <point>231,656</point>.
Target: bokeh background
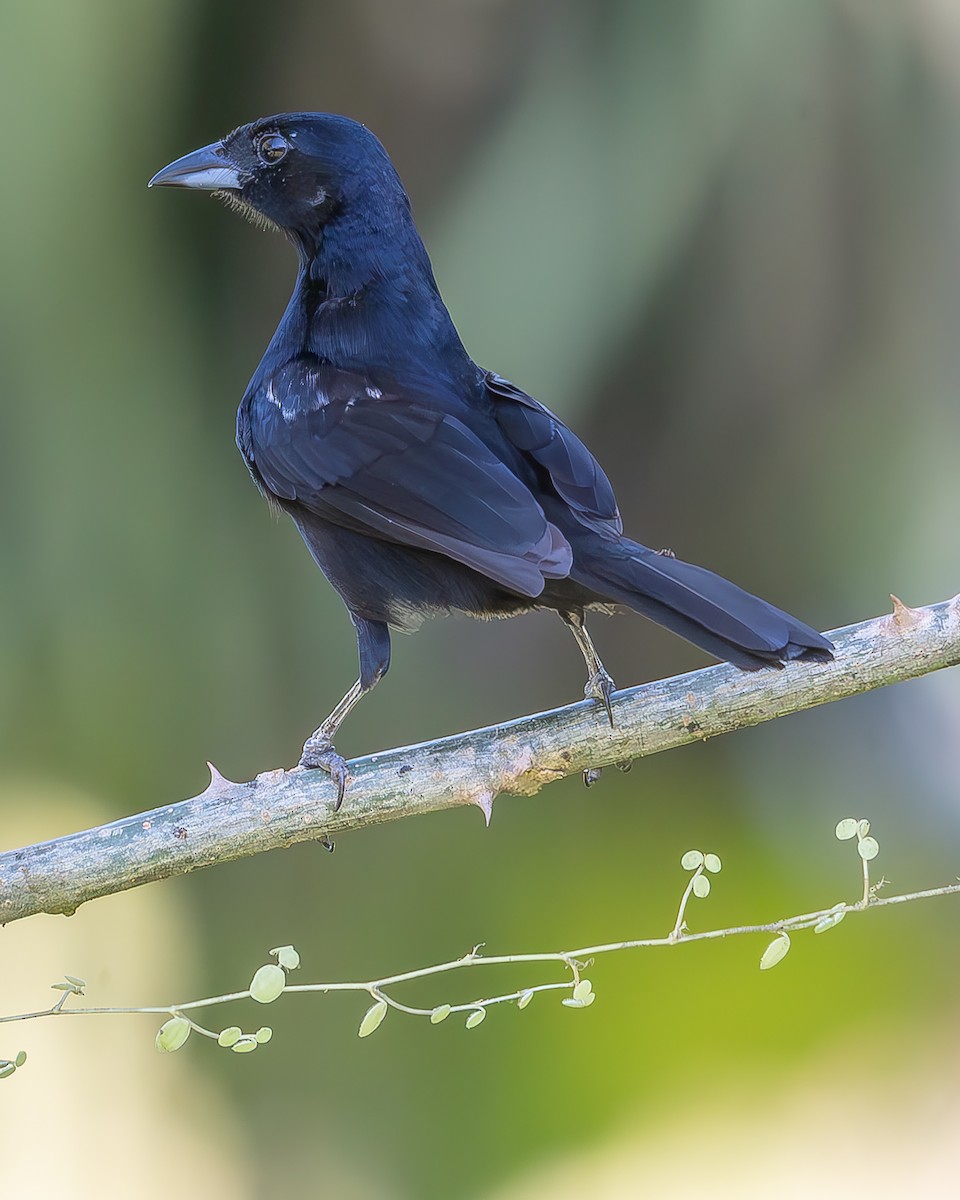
<point>722,239</point>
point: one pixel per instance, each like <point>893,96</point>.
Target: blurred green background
<point>722,239</point>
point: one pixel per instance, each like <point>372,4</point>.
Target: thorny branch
<point>232,820</point>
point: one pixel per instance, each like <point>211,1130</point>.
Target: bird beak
<point>206,168</point>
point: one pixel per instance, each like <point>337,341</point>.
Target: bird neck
<point>366,296</point>
<point>362,244</point>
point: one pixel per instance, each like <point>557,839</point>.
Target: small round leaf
<point>6,1070</point>
<point>583,989</point>
<point>172,1034</point>
<point>21,1058</point>
<point>440,1013</point>
<point>476,1017</point>
<point>829,921</point>
<point>268,983</point>
<point>868,848</point>
<point>524,998</point>
<point>229,1036</point>
<point>712,862</point>
<point>846,829</point>
<point>691,860</point>
<point>372,1018</point>
<point>776,951</point>
<point>863,828</point>
<point>287,957</point>
<point>701,887</point>
<point>263,1035</point>
<point>245,1045</point>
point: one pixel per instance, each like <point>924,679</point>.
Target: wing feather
<point>575,474</point>
<point>399,466</point>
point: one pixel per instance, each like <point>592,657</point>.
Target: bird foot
<point>601,687</point>
<point>318,752</point>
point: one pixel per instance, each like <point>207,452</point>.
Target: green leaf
<point>6,1070</point>
<point>712,862</point>
<point>863,828</point>
<point>476,1017</point>
<point>691,860</point>
<point>172,1034</point>
<point>829,921</point>
<point>229,1036</point>
<point>77,983</point>
<point>701,887</point>
<point>775,952</point>
<point>372,1018</point>
<point>583,989</point>
<point>524,998</point>
<point>263,1035</point>
<point>846,829</point>
<point>21,1058</point>
<point>440,1013</point>
<point>268,983</point>
<point>868,848</point>
<point>287,957</point>
<point>245,1045</point>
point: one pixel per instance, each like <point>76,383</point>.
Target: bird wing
<point>575,474</point>
<point>397,467</point>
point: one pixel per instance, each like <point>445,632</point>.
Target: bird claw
<point>318,752</point>
<point>591,775</point>
<point>601,687</point>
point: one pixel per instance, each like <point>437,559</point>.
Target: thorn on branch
<point>905,617</point>
<point>485,803</point>
<point>217,786</point>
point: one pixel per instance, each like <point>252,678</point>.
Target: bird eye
<point>271,147</point>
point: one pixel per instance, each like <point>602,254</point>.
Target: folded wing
<point>573,471</point>
<point>398,467</point>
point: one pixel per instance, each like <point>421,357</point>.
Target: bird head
<point>294,171</point>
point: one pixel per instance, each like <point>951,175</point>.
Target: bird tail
<point>706,609</point>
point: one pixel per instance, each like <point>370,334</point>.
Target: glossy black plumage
<point>421,483</point>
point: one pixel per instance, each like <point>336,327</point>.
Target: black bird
<point>421,483</point>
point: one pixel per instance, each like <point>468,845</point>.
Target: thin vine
<point>270,981</point>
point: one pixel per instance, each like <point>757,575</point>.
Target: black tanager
<point>421,483</point>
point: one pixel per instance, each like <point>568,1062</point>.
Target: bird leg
<point>373,646</point>
<point>318,749</point>
<point>600,685</point>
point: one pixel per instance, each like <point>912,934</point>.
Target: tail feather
<point>706,609</point>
